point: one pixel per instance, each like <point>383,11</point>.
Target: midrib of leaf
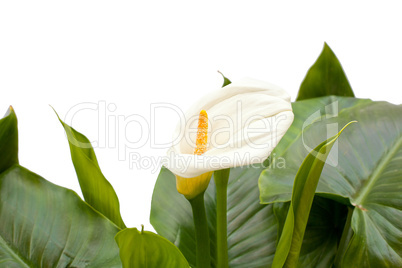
<point>365,190</point>
<point>12,253</point>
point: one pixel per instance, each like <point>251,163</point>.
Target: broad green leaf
<point>252,227</point>
<point>226,80</point>
<point>363,170</point>
<point>8,140</point>
<point>324,229</point>
<point>96,189</point>
<point>145,249</point>
<point>44,225</point>
<point>326,77</point>
<point>305,184</point>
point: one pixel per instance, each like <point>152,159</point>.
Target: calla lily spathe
<point>246,119</point>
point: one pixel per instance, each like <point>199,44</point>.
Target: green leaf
<point>326,77</point>
<point>96,189</point>
<point>44,225</point>
<point>148,250</point>
<point>285,240</point>
<point>324,229</point>
<point>305,184</point>
<point>8,140</point>
<point>363,171</point>
<point>252,227</point>
<point>226,81</point>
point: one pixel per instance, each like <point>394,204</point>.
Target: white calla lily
<point>246,120</point>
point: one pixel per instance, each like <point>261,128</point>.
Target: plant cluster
<point>335,202</point>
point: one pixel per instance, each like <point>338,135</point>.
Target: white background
<point>130,55</point>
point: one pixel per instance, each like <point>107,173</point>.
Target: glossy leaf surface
<point>44,225</point>
<point>363,170</point>
<point>143,249</point>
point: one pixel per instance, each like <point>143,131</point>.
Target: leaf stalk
<point>203,255</point>
<point>221,178</point>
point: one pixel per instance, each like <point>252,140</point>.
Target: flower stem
<point>345,238</point>
<point>203,255</point>
<point>221,178</point>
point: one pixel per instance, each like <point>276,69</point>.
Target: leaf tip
<point>58,117</point>
<point>327,50</point>
<point>327,47</point>
<point>9,111</point>
<point>226,81</point>
<point>351,122</point>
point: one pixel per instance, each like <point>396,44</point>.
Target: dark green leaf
<point>288,249</point>
<point>96,189</point>
<point>363,171</point>
<point>44,225</point>
<point>252,227</point>
<point>148,250</point>
<point>326,77</point>
<point>8,140</point>
<point>324,229</point>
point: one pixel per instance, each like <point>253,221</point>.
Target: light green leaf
<point>44,225</point>
<point>96,189</point>
<point>288,249</point>
<point>365,172</point>
<point>148,250</point>
<point>8,140</point>
<point>326,77</point>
